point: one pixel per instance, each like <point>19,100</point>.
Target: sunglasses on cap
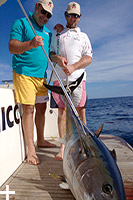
<point>72,15</point>
<point>44,12</point>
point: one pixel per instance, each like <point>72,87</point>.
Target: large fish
<point>89,168</point>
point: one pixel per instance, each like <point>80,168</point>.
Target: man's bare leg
<point>61,128</point>
<point>40,122</point>
<point>82,115</point>
<point>28,127</point>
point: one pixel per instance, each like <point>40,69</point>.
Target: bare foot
<point>33,160</point>
<point>59,156</point>
<point>45,144</point>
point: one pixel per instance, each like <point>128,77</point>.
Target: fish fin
<point>113,154</point>
<point>56,89</point>
<point>63,178</point>
<point>54,176</point>
<point>98,132</point>
<point>70,88</point>
<point>64,186</point>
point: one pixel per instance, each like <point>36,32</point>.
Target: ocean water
<point>115,113</point>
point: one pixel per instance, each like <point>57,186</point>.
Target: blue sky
<point>108,24</point>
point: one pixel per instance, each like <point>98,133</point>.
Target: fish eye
<point>107,188</point>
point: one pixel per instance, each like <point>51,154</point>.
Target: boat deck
<point>41,182</point>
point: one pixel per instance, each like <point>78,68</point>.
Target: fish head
<point>90,176</point>
<point>98,171</point>
<point>96,182</point>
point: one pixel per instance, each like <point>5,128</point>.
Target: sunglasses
<point>72,15</point>
<point>44,12</point>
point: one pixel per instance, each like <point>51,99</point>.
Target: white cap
<point>73,8</point>
<point>47,5</point>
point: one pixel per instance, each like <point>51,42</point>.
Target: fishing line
<point>58,37</point>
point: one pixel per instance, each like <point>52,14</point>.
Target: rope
<point>58,34</point>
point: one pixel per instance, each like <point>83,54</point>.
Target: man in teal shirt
<point>33,62</point>
<point>29,72</point>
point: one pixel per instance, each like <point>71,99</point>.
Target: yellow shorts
<point>29,90</point>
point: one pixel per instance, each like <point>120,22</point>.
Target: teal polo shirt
<point>33,62</point>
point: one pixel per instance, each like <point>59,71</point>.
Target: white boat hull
<point>12,149</point>
<point>12,146</point>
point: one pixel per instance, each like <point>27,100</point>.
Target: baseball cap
<point>73,8</point>
<point>47,5</point>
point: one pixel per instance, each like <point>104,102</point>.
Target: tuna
<point>90,170</point>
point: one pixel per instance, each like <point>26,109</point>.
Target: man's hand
<point>36,42</point>
<point>58,28</point>
<point>62,62</point>
<point>82,63</point>
<point>68,69</point>
<point>58,59</point>
<point>18,47</point>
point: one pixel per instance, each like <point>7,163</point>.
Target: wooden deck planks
<point>41,182</point>
<point>38,182</point>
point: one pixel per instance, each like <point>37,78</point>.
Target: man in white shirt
<point>71,51</point>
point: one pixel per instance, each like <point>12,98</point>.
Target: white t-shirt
<point>73,45</point>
